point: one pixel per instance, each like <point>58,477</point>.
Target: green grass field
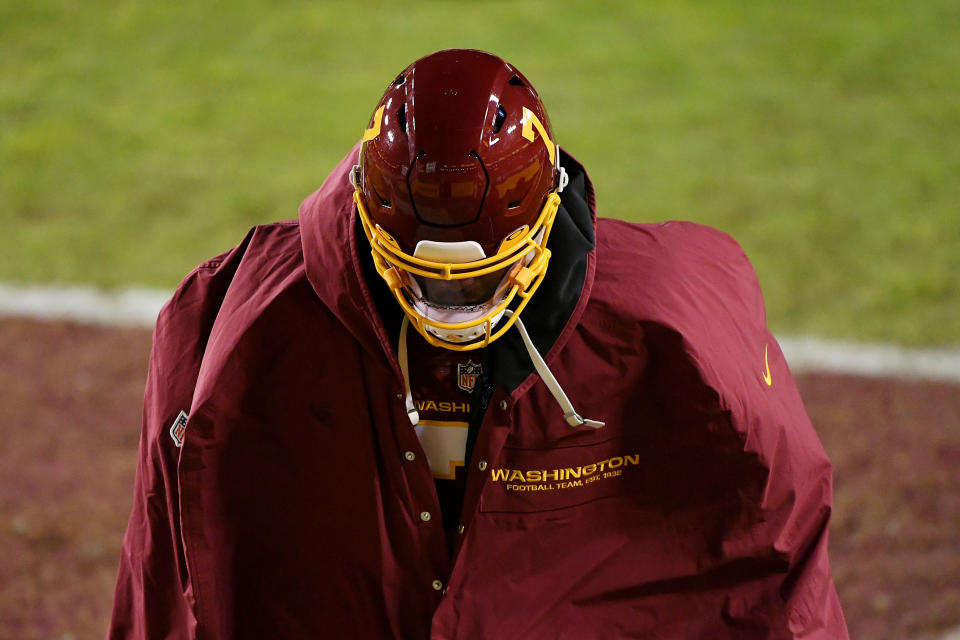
<point>137,139</point>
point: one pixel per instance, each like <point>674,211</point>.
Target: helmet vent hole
<point>499,118</point>
<point>515,81</point>
<point>399,81</point>
<point>402,117</point>
<point>383,201</point>
<point>514,204</point>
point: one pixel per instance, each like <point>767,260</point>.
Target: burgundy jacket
<point>292,509</point>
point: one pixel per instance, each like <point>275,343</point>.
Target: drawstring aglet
<point>574,420</point>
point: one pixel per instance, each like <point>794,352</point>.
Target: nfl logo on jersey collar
<point>467,375</point>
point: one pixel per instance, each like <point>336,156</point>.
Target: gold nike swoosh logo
<point>766,362</point>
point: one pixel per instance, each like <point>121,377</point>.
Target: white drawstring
<point>405,372</point>
<point>569,413</point>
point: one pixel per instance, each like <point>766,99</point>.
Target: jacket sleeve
<point>797,502</point>
<point>152,598</point>
<point>713,298</point>
<point>741,359</point>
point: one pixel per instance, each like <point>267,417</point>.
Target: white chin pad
<point>457,315</point>
<point>462,335</point>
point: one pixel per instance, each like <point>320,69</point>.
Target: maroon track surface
<point>70,400</point>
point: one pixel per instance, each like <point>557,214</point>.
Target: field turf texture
<point>138,139</point>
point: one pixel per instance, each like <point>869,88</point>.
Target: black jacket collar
<point>572,239</point>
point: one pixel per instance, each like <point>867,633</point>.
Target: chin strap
<point>569,413</point>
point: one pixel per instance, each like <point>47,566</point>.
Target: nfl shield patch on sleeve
<point>179,428</point>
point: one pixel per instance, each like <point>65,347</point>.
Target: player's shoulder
<point>667,269</point>
<point>666,251</point>
<point>197,299</point>
<point>278,239</point>
<point>672,240</point>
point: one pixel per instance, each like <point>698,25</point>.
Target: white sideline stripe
<point>138,307</point>
<point>952,635</point>
<point>805,354</point>
<point>135,307</point>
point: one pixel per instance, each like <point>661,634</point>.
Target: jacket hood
<point>332,262</point>
<point>341,272</point>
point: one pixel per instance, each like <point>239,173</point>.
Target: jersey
<point>441,382</point>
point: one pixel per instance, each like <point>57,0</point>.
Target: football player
<point>451,402</point>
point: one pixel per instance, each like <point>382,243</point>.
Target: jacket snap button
<point>437,585</point>
<point>503,405</point>
<point>410,456</point>
<point>460,529</point>
<point>483,465</point>
<point>425,516</point>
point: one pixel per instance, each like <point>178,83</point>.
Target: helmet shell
<point>452,153</point>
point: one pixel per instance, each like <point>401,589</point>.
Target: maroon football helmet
<point>456,187</point>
